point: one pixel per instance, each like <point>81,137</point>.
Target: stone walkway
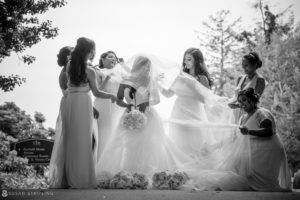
<point>143,195</point>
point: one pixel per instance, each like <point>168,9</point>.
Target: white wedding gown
<point>146,151</point>
<point>150,150</point>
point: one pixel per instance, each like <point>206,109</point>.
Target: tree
<point>281,69</point>
<point>268,25</point>
<point>16,123</point>
<point>222,48</point>
<point>40,119</point>
<point>269,21</point>
<point>9,83</point>
<point>20,29</point>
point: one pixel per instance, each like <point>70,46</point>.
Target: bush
<point>15,173</point>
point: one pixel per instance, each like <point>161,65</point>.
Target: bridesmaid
<point>251,79</point>
<point>190,140</point>
<point>109,80</point>
<point>57,174</point>
<point>269,169</point>
<point>80,170</point>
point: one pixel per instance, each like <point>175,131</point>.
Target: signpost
<point>37,151</point>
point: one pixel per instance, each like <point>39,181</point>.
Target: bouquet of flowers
<point>122,180</point>
<point>167,180</point>
<point>134,120</point>
<point>104,182</point>
<point>161,180</point>
<point>140,181</point>
<point>178,179</point>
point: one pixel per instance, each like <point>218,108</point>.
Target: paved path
<point>144,195</point>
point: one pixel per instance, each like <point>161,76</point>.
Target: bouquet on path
<point>168,180</point>
<point>124,180</point>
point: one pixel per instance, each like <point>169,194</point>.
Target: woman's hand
<point>129,107</point>
<point>233,105</point>
<point>113,98</point>
<point>244,130</point>
<point>142,107</point>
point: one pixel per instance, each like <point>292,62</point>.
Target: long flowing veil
<point>222,139</point>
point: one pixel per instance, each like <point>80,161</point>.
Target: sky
<point>161,27</point>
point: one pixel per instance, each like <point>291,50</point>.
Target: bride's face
<point>189,61</point>
<point>146,70</point>
<point>109,61</point>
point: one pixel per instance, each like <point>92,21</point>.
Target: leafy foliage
<point>9,83</point>
<point>15,173</point>
<point>277,43</point>
<point>16,123</point>
<point>282,95</point>
<point>20,29</point>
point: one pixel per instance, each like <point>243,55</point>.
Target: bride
<point>146,150</point>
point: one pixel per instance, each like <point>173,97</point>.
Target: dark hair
<point>62,56</point>
<point>200,68</point>
<point>79,59</point>
<point>253,59</point>
<point>250,94</point>
<point>104,56</point>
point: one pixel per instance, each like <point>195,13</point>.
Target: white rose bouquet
<point>105,178</point>
<point>122,180</point>
<point>160,180</point>
<point>177,179</point>
<point>134,120</point>
<point>140,181</point>
<point>168,180</point>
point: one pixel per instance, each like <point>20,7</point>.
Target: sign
<point>37,151</point>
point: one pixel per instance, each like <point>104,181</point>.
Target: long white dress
<point>109,113</point>
<point>193,141</point>
<point>146,151</point>
<point>79,161</point>
<point>268,169</point>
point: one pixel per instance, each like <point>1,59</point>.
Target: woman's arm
<point>260,86</point>
<point>63,80</point>
<point>91,75</point>
<point>265,129</point>
<point>120,97</point>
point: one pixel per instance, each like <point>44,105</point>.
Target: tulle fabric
<point>199,119</point>
<point>145,151</point>
<point>109,113</point>
<point>79,159</point>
